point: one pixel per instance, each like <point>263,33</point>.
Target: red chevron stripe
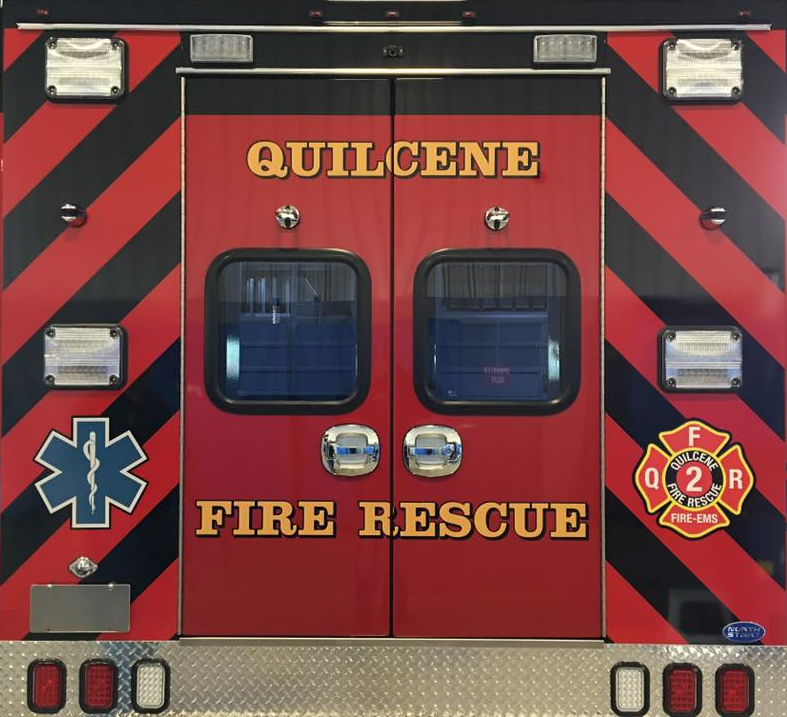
<point>15,42</point>
<point>751,594</point>
<point>50,563</point>
<point>154,614</point>
<point>56,129</point>
<point>763,448</point>
<point>773,44</point>
<point>152,326</point>
<point>733,131</point>
<point>631,618</point>
<point>43,287</point>
<point>644,192</point>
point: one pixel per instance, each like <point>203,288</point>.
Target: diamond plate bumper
<point>386,677</point>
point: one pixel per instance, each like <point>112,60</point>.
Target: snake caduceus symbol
<point>89,449</point>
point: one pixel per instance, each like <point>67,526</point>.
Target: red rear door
<point>497,348</point>
<point>298,341</point>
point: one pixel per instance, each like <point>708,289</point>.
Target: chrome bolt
<point>82,567</point>
<point>497,218</point>
<point>288,216</point>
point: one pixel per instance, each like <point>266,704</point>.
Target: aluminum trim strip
<point>388,71</point>
<point>431,642</point>
<point>392,29</point>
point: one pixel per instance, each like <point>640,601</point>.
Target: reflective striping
<point>152,181</point>
<point>683,157</point>
<point>773,44</point>
<point>685,240</point>
<point>626,309</point>
<point>15,43</point>
<point>640,558</point>
<point>676,297</point>
<point>130,275</point>
<point>764,92</point>
<point>63,544</point>
<point>91,167</point>
<point>56,128</point>
<point>23,87</point>
<point>157,317</point>
<point>643,412</point>
<point>631,618</point>
<point>712,561</point>
<point>157,390</point>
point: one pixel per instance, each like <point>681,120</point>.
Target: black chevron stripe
<point>25,525</point>
<point>122,283</point>
<point>664,581</point>
<point>689,162</point>
<point>765,89</point>
<point>642,412</point>
<point>122,137</point>
<point>677,299</point>
<point>23,87</point>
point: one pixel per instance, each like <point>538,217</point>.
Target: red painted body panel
<point>508,587</point>
<point>281,586</point>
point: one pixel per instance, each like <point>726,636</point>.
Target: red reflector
<point>98,686</point>
<point>734,691</point>
<point>46,686</point>
<point>682,690</point>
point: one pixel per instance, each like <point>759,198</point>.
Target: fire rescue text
<point>403,159</point>
<point>380,519</point>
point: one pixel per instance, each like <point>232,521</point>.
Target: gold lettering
<point>362,160</point>
<point>338,159</point>
<point>521,512</point>
<point>298,158</point>
<point>376,518</point>
<point>455,520</point>
<point>478,160</point>
<point>318,518</point>
<point>393,159</point>
<point>276,518</point>
<point>481,520</point>
<point>520,159</point>
<point>266,159</point>
<point>417,523</point>
<point>212,514</point>
<point>439,159</point>
<point>243,529</point>
<point>567,521</point>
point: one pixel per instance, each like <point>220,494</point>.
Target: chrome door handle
<point>350,450</point>
<point>432,451</point>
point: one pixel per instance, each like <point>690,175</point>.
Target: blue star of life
<point>90,472</point>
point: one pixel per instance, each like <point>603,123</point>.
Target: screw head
<point>82,567</point>
<point>671,382</point>
<point>50,380</point>
<point>51,90</point>
<point>670,336</point>
<point>736,91</point>
<point>113,380</point>
<point>52,43</point>
<point>114,333</point>
<point>115,90</point>
<point>50,333</point>
<point>735,383</point>
<point>672,91</point>
<point>735,336</point>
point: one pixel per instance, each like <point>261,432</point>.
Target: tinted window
<point>500,332</point>
<point>287,331</point>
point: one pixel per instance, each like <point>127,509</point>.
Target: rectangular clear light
<point>707,359</point>
<point>150,680</point>
<point>630,689</point>
<point>83,356</point>
<point>703,69</point>
<point>85,68</point>
<point>568,49</point>
<point>222,47</point>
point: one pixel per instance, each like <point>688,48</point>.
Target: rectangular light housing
<point>630,689</point>
<point>150,686</point>
<point>222,47</point>
<point>84,356</point>
<point>85,68</point>
<point>735,690</point>
<point>564,49</point>
<point>46,686</point>
<point>682,690</point>
<point>702,359</point>
<point>702,69</point>
<point>98,692</point>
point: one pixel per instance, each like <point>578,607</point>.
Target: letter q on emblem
<point>693,476</point>
<point>90,472</point>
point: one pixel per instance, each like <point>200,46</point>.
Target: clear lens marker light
<point>702,69</point>
<point>630,686</point>
<point>151,686</point>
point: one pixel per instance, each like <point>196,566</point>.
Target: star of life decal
<point>693,478</point>
<point>90,472</point>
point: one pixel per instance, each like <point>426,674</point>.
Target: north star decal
<point>403,159</point>
<point>90,472</point>
<point>692,480</point>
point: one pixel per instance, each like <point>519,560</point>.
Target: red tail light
<point>46,686</point>
<point>98,686</point>
<point>734,691</point>
<point>682,690</point>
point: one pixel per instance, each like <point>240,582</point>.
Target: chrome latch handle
<point>350,450</point>
<point>432,451</point>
